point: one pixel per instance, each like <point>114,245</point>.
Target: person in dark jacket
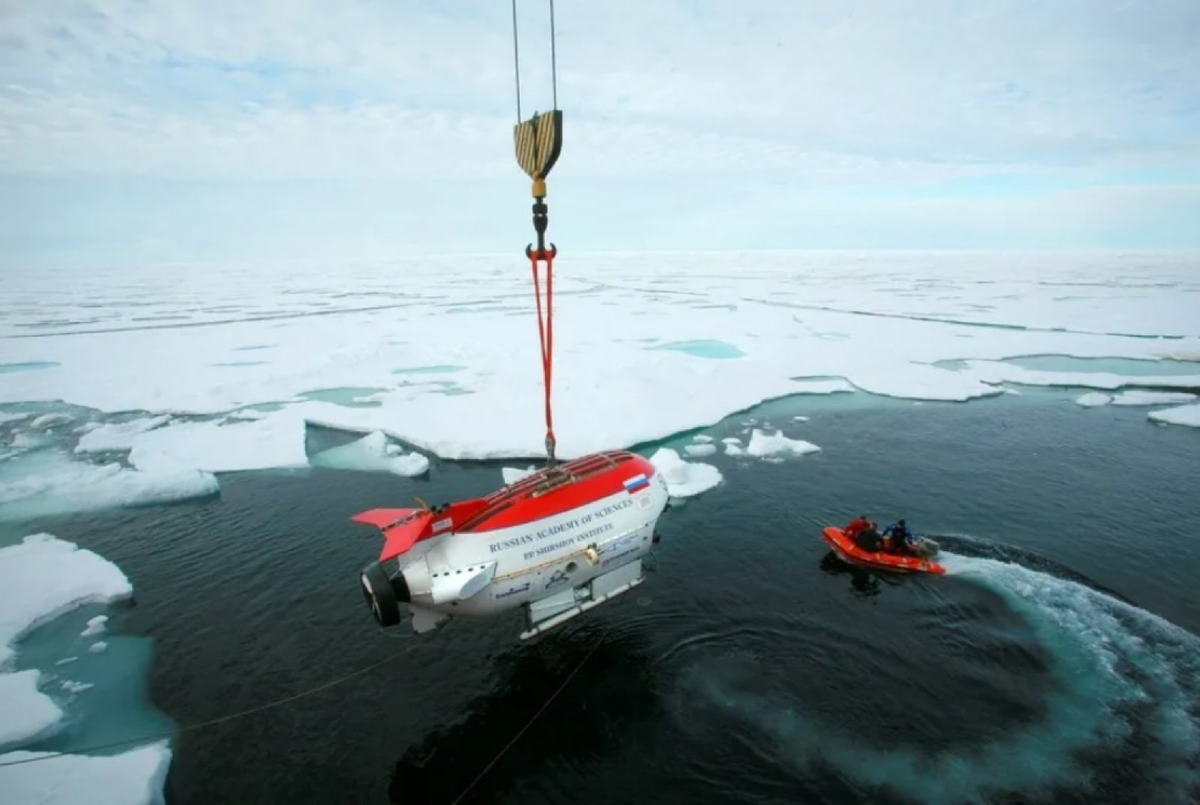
<point>900,535</point>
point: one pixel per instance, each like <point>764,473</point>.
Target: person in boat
<point>856,526</point>
<point>900,536</point>
<point>862,532</point>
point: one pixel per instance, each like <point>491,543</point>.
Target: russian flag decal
<point>636,483</point>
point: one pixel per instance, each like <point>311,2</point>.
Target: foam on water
<point>1109,662</point>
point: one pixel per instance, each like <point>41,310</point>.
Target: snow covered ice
<point>42,578</point>
<point>714,334</point>
<point>442,364</point>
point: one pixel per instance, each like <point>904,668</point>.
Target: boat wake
<point>1120,716</point>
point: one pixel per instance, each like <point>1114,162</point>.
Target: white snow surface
<point>1188,415</point>
<point>135,777</point>
<point>43,577</point>
<point>117,435</point>
<point>372,453</point>
<point>684,479</point>
<point>442,352</point>
<point>29,714</point>
<point>274,441</point>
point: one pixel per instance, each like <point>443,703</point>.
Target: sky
<point>180,130</point>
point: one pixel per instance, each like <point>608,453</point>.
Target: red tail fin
<point>401,528</point>
<point>381,518</point>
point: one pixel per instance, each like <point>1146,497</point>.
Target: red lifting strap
<point>546,334</point>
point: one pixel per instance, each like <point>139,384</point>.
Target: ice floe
<point>513,474</point>
<point>702,449</point>
<point>763,444</point>
<point>372,453</point>
<point>95,626</point>
<point>684,479</point>
<point>29,714</point>
<point>48,482</point>
<point>478,394</point>
<point>1188,415</point>
<point>135,777</point>
<point>43,577</point>
<point>117,435</point>
<point>1139,397</point>
<point>1093,399</point>
<point>276,441</point>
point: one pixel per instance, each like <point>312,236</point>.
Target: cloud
<point>685,104</point>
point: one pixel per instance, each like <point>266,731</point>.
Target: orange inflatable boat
<point>848,551</point>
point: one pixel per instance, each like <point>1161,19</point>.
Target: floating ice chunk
<point>49,420</point>
<point>372,453</point>
<point>734,449</point>
<point>117,436</point>
<point>1188,415</point>
<point>1138,397</point>
<point>513,474</point>
<point>135,777</point>
<point>1093,399</point>
<point>763,444</point>
<point>702,449</point>
<point>274,441</point>
<point>703,438</point>
<point>29,714</point>
<point>684,479</point>
<point>95,626</point>
<point>731,440</point>
<point>66,660</point>
<point>76,687</point>
<point>49,482</point>
<point>800,418</point>
<point>44,577</point>
<point>97,647</point>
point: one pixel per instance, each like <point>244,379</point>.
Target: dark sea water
<point>1056,662</point>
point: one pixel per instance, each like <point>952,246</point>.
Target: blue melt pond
<point>29,366</point>
<point>704,348</point>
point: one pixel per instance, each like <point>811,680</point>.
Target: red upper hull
<point>543,494</point>
<point>849,550</point>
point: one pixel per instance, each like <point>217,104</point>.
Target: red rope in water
<point>546,337</point>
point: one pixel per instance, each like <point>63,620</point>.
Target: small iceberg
<point>684,479</point>
<point>372,453</point>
